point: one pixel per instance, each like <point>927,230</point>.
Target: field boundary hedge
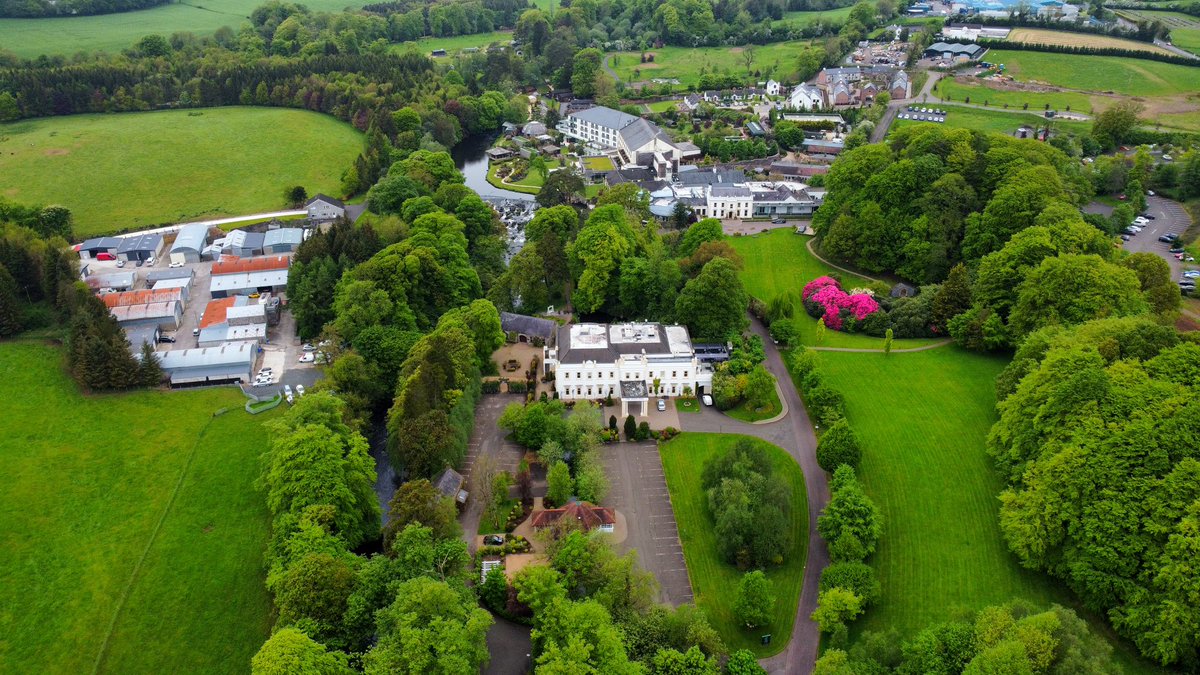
<point>1091,51</point>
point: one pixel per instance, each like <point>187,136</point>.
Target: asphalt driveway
<point>639,491</point>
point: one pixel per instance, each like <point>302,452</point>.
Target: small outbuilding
<point>140,247</point>
<point>527,328</point>
<point>498,154</point>
<point>450,484</point>
<point>323,207</point>
<point>584,515</point>
<point>106,283</point>
<point>903,290</point>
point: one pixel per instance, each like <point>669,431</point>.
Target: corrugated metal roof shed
<point>238,282</point>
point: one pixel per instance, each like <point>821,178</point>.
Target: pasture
<point>113,32</point>
<point>1042,36</point>
<point>131,537</point>
<point>1120,75</point>
<point>455,44</point>
<point>801,18</point>
<point>980,90</point>
<point>998,121</point>
<point>778,261</point>
<point>923,419</point>
<point>136,170</point>
<point>687,64</point>
<point>714,581</point>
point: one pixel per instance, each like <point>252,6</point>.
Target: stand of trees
<point>567,446</point>
<point>1096,442</point>
<point>25,9</point>
<point>750,506</point>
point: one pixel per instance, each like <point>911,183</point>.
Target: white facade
<point>806,97</point>
<point>625,361</point>
<point>772,88</point>
<point>321,207</point>
<point>729,202</point>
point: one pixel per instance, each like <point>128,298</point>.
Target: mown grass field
<point>136,170</point>
<point>923,419</point>
<point>455,44</point>
<point>114,32</point>
<point>779,261</point>
<point>130,519</point>
<point>715,582</point>
<point>1042,36</point>
<point>980,90</point>
<point>687,64</point>
<point>801,18</point>
<point>998,121</point>
<point>1127,76</point>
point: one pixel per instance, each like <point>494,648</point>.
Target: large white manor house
<point>594,360</point>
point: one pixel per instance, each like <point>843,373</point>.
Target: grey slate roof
<point>729,191</point>
<point>100,244</point>
<point>692,178</point>
<point>449,483</point>
<point>640,132</point>
<point>527,325</point>
<point>324,198</point>
<point>140,242</point>
<point>610,351</point>
<point>178,273</point>
<point>606,117</point>
<point>954,48</point>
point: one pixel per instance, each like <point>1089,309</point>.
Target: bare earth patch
<point>56,152</point>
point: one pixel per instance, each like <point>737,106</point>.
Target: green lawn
<point>687,64</point>
<point>598,163</point>
<point>662,106</point>
<point>687,405</point>
<point>456,43</point>
<point>998,121</point>
<point>778,261</point>
<point>715,582</point>
<point>525,185</point>
<point>979,91</point>
<point>114,32</point>
<point>923,419</point>
<point>1131,77</point>
<point>801,18</point>
<point>136,170</point>
<point>129,518</point>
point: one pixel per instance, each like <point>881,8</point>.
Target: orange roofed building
<point>588,516</point>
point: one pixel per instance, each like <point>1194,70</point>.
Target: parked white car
<point>307,357</point>
<point>287,393</point>
<point>299,390</point>
<point>707,399</point>
<point>175,265</point>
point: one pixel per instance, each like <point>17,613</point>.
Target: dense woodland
<point>42,8</point>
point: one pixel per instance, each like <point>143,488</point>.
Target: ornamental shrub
<point>838,446</point>
<point>824,299</point>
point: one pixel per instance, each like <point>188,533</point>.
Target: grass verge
<point>746,412</point>
<point>687,405</point>
<point>106,527</point>
<point>714,581</point>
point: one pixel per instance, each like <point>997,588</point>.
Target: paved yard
<point>488,439</point>
<point>639,490</point>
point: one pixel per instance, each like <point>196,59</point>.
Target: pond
<point>470,158</point>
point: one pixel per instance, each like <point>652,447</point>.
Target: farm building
<point>142,297</point>
<point>954,50</point>
<point>229,362</point>
<point>527,328</point>
<point>140,247</point>
<point>89,249</point>
<point>322,207</point>
<point>161,275</point>
<point>282,240</point>
<point>165,315</point>
<point>241,243</point>
<point>817,146</point>
<point>140,335</point>
<point>189,243</point>
<point>117,281</point>
<point>182,284</point>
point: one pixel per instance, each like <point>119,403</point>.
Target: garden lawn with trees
<point>923,420</point>
<point>113,32</point>
<point>779,261</point>
<point>111,510</point>
<point>139,170</point>
<point>715,582</point>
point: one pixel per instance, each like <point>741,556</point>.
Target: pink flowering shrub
<point>824,298</point>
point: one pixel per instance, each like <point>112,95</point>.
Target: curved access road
<point>794,433</point>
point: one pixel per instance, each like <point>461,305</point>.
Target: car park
<point>707,399</point>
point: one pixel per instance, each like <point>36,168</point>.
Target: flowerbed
<point>824,299</point>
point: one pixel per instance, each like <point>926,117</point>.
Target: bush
<point>490,387</point>
<point>668,433</point>
<point>849,512</point>
<point>784,332</point>
<point>749,506</point>
<point>517,387</point>
<point>825,403</point>
<point>630,428</point>
<point>643,431</point>
<point>855,576</point>
<point>838,445</point>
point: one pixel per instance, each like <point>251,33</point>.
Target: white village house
<point>593,360</point>
<point>323,207</point>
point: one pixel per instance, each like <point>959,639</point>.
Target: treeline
<point>340,612</point>
<point>1081,50</point>
<point>1011,638</point>
<point>1146,31</point>
<point>410,20</point>
<point>1096,443</point>
<point>46,8</point>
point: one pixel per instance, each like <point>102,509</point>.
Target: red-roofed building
<point>142,297</point>
<point>235,265</point>
<point>215,311</point>
<point>589,517</point>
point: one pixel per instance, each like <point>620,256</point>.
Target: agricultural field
<point>714,581</point>
<point>687,64</point>
<point>113,32</point>
<point>923,419</point>
<point>136,170</point>
<point>1042,36</point>
<point>779,261</point>
<point>801,18</point>
<point>1185,29</point>
<point>979,90</point>
<point>998,121</point>
<point>1124,76</point>
<point>131,536</point>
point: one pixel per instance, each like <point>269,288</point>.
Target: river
<point>470,158</point>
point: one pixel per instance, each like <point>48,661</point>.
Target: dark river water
<point>470,159</point>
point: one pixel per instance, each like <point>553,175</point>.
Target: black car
<point>1168,238</point>
<point>165,338</point>
<point>778,221</point>
<point>1176,249</point>
<point>493,540</point>
<point>1125,237</point>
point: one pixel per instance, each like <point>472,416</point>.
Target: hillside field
<point>136,170</point>
<point>1042,36</point>
<point>1126,76</point>
<point>923,419</point>
<point>714,581</point>
<point>980,90</point>
<point>998,121</point>
<point>777,60</point>
<point>1185,29</point>
<point>113,32</point>
<point>131,537</point>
